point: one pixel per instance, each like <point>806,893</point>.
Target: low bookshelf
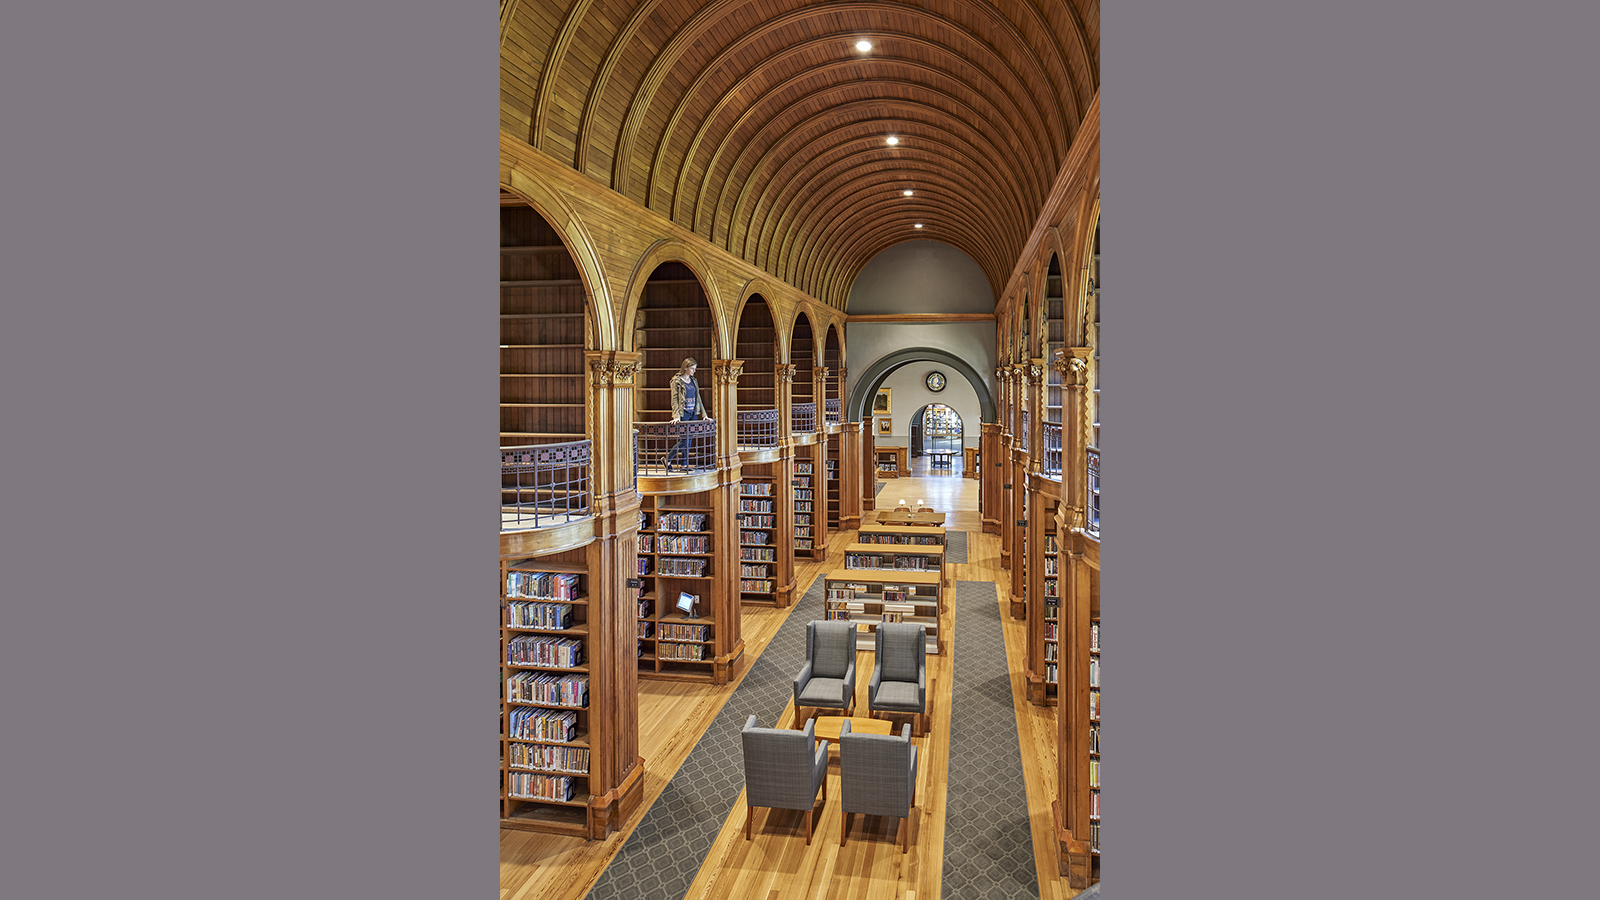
<point>545,727</point>
<point>867,597</point>
<point>806,510</point>
<point>895,557</point>
<point>676,557</point>
<point>758,541</point>
<point>890,462</point>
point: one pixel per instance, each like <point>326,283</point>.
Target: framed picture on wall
<point>885,426</point>
<point>880,403</point>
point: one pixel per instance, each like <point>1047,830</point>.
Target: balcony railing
<point>831,411</point>
<point>544,484</point>
<point>1093,512</point>
<point>758,428</point>
<point>1050,464</point>
<point>803,417</point>
<point>665,448</point>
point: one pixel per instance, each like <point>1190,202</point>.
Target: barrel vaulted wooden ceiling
<point>760,125</point>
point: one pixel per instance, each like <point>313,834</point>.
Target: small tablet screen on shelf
<point>686,603</point>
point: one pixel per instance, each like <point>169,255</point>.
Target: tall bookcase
<point>806,504</point>
<point>1094,737</point>
<point>758,540</point>
<point>830,475</point>
<point>546,730</point>
<point>680,531</point>
<point>543,310</point>
<point>867,597</point>
<point>1050,607</point>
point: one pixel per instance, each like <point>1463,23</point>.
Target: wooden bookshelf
<point>673,322</point>
<point>546,730</point>
<point>890,462</point>
<point>808,503</point>
<point>866,596</point>
<point>830,473</point>
<point>1077,807</point>
<point>542,334</point>
<point>915,535</point>
<point>759,535</point>
<point>897,557</point>
<point>680,531</point>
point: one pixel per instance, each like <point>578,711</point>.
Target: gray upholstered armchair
<point>782,770</point>
<point>877,777</point>
<point>900,673</point>
<point>828,679</point>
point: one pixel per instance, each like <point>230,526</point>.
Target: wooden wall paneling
<point>850,478</point>
<point>990,495</point>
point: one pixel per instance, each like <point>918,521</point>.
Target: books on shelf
<point>755,585</point>
<point>675,565</point>
<point>548,688</point>
<point>528,786</point>
<point>802,468</point>
<point>568,760</point>
<point>673,651</point>
<point>755,506</point>
<point>755,538</point>
<point>683,543</point>
<point>647,543</point>
<point>755,489</point>
<point>532,650</point>
<point>758,554</point>
<point>676,631</point>
<point>542,585</point>
<point>533,724</point>
<point>532,614</point>
<point>682,521</point>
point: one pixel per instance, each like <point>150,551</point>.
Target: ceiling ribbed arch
<point>756,124</point>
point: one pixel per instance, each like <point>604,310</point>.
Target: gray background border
<point>1350,316</point>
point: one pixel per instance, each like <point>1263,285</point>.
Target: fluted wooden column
<point>729,637</point>
<point>616,770</point>
<point>1030,400</point>
<point>1007,420</point>
<point>782,484</point>
<point>1081,573</point>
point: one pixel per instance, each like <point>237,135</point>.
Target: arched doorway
<point>936,432</point>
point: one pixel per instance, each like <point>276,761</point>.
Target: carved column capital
<point>1074,365</point>
<point>727,371</point>
<point>842,372</point>
<point>1035,373</point>
<point>784,372</point>
<point>607,369</point>
<point>819,372</point>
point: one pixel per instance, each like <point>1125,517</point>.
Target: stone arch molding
<point>880,369</point>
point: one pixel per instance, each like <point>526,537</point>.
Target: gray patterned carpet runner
<point>955,547</point>
<point>988,847</point>
<point>661,858</point>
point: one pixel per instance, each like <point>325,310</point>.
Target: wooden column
<point>1008,505</point>
<point>1071,807</point>
<point>989,492</point>
<point>869,467</point>
<point>850,475</point>
<point>1029,379</point>
<point>819,480</point>
<point>782,483</point>
<point>724,600</point>
<point>616,770</point>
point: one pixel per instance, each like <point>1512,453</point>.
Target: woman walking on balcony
<point>686,407</point>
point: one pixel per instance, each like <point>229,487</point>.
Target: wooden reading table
<point>890,517</point>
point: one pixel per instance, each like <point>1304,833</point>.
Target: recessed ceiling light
<point>907,193</point>
<point>893,140</point>
<point>918,225</point>
<point>863,46</point>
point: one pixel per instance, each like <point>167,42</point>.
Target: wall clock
<point>935,381</point>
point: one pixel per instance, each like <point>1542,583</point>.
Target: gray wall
<point>865,343</point>
<point>908,393</point>
<point>920,277</point>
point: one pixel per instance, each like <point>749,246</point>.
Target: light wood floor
<point>777,864</point>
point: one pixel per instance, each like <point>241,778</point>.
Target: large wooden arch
<point>580,246</point>
<point>665,251</point>
<point>880,369</point>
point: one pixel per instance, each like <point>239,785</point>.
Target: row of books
<point>647,543</point>
<point>532,650</point>
<point>646,630</point>
<point>802,531</point>
<point>644,608</point>
<point>1094,836</point>
<point>532,614</point>
<point>1050,588</point>
<point>802,468</point>
<point>755,506</point>
<point>672,631</point>
<point>1094,738</point>
<point>544,687</point>
<point>1094,804</point>
<point>756,585</point>
<point>1051,631</point>
<point>542,725</point>
<point>689,652</point>
<point>802,506</point>
<point>1052,609</point>
<point>676,565</point>
<point>528,786</point>
<point>1050,565</point>
<point>1050,673</point>
<point>1094,773</point>
<point>644,565</point>
<point>682,522</point>
<point>756,571</point>
<point>754,538</point>
<point>1050,651</point>
<point>1094,703</point>
<point>543,585</point>
<point>758,554</point>
<point>755,489</point>
<point>915,540</point>
<point>573,760</point>
<point>802,518</point>
<point>1050,543</point>
<point>802,543</point>
<point>758,521</point>
<point>803,494</point>
<point>907,563</point>
<point>1094,636</point>
<point>682,543</point>
<point>1094,671</point>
